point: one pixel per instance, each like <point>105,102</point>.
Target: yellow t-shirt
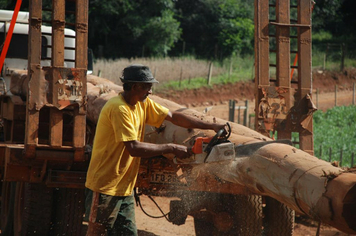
<point>112,170</point>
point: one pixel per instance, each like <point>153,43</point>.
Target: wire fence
<point>332,155</point>
<point>333,55</point>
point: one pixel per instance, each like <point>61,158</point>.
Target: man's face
<point>143,90</point>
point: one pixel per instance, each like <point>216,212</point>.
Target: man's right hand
<point>182,152</point>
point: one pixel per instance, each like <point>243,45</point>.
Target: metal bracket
<point>290,25</point>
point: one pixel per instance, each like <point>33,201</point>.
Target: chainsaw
<point>219,148</point>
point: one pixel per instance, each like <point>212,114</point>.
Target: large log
<point>301,181</point>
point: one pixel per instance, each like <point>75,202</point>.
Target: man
<point>118,147</point>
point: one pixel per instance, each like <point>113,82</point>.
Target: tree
<point>216,28</point>
<point>327,16</point>
<point>132,28</point>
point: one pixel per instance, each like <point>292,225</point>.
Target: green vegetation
<point>335,129</point>
<point>206,29</point>
<point>232,70</point>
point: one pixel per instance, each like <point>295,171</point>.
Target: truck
<point>43,157</point>
<point>47,131</point>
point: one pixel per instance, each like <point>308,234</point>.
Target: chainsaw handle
<point>228,131</point>
<point>221,135</point>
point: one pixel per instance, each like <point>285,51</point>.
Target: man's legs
<point>113,215</point>
<point>125,223</point>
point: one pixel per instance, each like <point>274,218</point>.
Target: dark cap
<point>137,73</point>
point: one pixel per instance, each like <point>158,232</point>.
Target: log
<point>303,182</point>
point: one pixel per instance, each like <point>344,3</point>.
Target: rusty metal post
<point>81,28</point>
<point>304,71</point>
<point>81,63</point>
<point>283,59</point>
<point>261,54</point>
<point>58,25</point>
<point>283,43</point>
<point>34,73</point>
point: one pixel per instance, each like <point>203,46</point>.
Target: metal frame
<point>283,103</point>
<point>57,87</point>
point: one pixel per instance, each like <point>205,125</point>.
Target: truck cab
<point>17,54</point>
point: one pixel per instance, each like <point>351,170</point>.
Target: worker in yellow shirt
<point>118,147</point>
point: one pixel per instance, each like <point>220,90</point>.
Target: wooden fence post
<point>245,113</point>
<point>181,75</point>
<point>231,110</point>
<point>210,72</point>
<point>317,97</point>
<point>251,123</point>
<point>238,115</point>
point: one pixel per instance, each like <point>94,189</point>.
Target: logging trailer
<point>45,140</point>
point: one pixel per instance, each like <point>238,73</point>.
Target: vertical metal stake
<point>231,110</point>
<point>246,113</point>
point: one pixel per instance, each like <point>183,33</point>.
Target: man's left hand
<point>217,127</point>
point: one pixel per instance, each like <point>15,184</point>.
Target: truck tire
<point>232,215</point>
<point>279,219</point>
<point>7,208</point>
<point>203,227</point>
<point>248,215</point>
<point>33,209</point>
<point>68,212</point>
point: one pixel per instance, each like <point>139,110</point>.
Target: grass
<point>181,73</point>
<point>163,69</point>
<point>191,73</point>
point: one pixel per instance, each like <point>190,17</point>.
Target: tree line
<point>206,29</point>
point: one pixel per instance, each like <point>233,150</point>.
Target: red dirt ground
<point>216,99</point>
<point>323,81</point>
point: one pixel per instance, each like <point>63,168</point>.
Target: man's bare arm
<point>189,122</point>
<point>146,150</point>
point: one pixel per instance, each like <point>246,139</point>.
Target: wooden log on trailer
<point>303,182</point>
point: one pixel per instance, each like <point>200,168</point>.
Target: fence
<point>337,156</point>
<point>333,54</point>
<point>336,95</point>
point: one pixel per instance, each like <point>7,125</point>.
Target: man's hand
<point>217,127</point>
<point>182,152</point>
